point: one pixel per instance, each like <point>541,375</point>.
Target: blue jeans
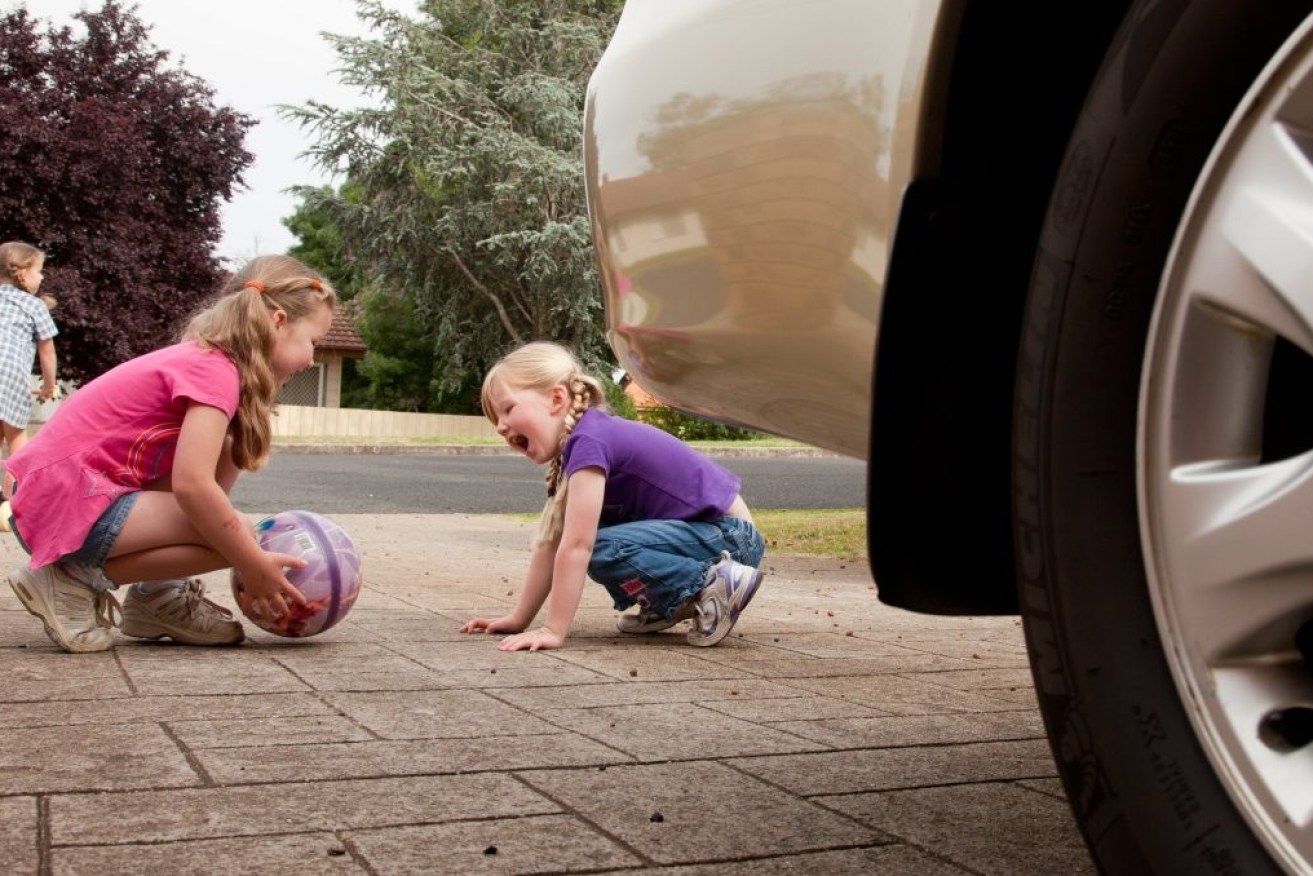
<point>659,564</point>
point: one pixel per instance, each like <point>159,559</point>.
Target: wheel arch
<point>939,530</point>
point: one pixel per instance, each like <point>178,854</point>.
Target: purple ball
<point>330,579</point>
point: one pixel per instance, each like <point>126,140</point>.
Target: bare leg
<point>164,563</point>
<point>159,547</point>
<point>158,542</point>
<point>14,439</point>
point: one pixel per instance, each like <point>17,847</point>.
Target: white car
<point>1048,267</point>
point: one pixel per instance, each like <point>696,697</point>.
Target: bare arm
<point>537,584</point>
<point>211,513</point>
<point>45,352</point>
<point>583,509</point>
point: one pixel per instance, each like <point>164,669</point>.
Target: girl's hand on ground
<point>492,625</point>
<point>534,640</point>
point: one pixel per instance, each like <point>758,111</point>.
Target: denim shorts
<point>100,540</point>
<point>104,533</point>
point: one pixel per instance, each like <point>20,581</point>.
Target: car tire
<point>1128,695</point>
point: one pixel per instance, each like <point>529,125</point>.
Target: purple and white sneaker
<point>730,587</point>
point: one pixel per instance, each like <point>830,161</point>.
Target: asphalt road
<point>447,484</point>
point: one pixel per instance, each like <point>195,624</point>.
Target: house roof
<point>342,336</point>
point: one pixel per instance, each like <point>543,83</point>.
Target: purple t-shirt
<point>650,474</point>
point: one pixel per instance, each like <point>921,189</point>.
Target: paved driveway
<point>828,734</point>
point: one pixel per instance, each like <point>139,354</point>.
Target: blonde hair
<point>237,322</point>
<point>540,366</point>
<point>14,257</point>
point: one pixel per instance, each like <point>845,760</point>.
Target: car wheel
<point>1163,457</point>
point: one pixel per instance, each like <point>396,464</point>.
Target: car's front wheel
<point>1163,455</point>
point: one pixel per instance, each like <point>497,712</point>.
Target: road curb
<point>383,449</point>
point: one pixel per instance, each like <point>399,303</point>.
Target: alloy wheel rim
<point>1228,533</point>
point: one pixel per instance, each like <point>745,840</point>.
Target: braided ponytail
<point>585,392</point>
<point>542,365</point>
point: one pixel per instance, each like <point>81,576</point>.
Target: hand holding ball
<point>330,579</point>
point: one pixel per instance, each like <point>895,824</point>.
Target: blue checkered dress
<point>24,320</point>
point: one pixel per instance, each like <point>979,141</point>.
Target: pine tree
<point>469,172</point>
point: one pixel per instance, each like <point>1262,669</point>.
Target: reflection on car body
<point>756,233</point>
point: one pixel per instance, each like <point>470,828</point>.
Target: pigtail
<point>240,324</point>
<point>585,392</point>
<point>542,366</point>
<point>251,429</point>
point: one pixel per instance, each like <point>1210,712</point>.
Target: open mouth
<point>519,442</point>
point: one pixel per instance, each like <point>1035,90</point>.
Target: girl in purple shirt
<point>654,521</point>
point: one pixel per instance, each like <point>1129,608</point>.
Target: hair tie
<point>316,285</point>
<point>254,284</point>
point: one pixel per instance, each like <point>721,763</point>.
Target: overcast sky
<point>256,55</point>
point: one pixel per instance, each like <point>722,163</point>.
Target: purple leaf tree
<point>116,165</point>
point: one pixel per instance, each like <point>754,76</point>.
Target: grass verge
<point>831,532</point>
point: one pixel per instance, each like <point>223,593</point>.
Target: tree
<point>319,239</point>
<point>469,172</point>
<point>398,369</point>
<point>115,165</point>
<point>396,373</point>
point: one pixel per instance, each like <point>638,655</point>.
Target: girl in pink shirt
<point>129,480</point>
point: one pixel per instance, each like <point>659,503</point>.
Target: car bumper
<point>743,203</point>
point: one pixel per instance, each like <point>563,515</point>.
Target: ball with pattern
<point>330,579</point>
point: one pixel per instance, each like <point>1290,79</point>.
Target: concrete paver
<point>827,734</point>
<point>965,823</point>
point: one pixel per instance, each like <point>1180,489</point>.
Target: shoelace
<point>108,612</point>
<point>196,601</point>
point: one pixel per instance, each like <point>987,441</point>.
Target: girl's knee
<point>746,543</point>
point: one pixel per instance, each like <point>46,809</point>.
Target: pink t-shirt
<point>115,435</point>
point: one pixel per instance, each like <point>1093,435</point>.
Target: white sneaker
<point>730,588</point>
<point>77,618</point>
<point>650,621</point>
<point>180,611</point>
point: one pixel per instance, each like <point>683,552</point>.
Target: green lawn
<point>838,532</point>
<point>830,532</point>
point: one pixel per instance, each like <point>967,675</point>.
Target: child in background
<point>27,335</point>
<point>655,522</point>
<point>129,480</point>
